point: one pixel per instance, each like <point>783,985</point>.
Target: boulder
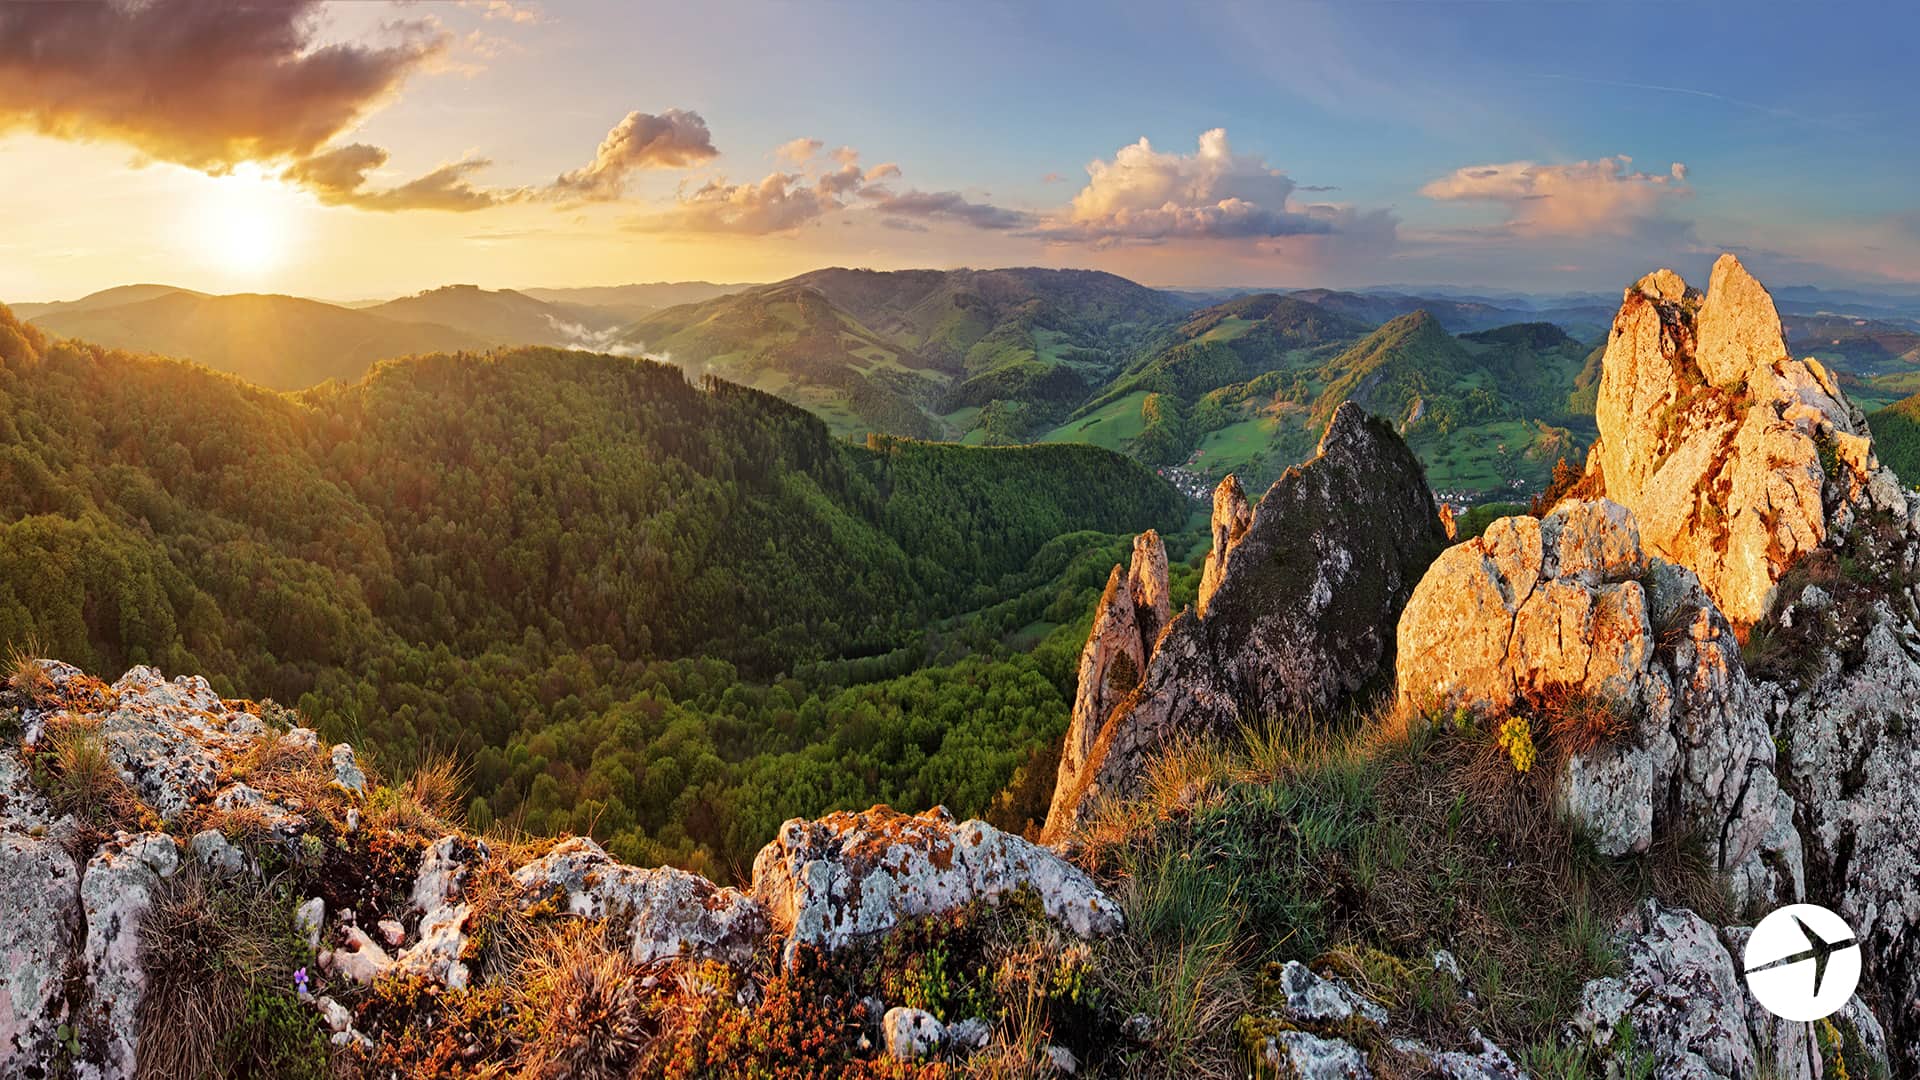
<point>1681,994</point>
<point>1299,620</point>
<point>663,912</point>
<point>1307,998</point>
<point>848,876</point>
<point>911,1034</point>
<point>1569,604</point>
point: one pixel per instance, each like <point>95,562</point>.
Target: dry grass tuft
<point>25,676</point>
<point>587,1006</point>
<point>428,801</point>
<point>219,954</point>
<point>80,776</point>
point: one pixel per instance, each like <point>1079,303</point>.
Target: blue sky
<point>1459,143</point>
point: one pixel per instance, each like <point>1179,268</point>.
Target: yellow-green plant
<point>1516,738</point>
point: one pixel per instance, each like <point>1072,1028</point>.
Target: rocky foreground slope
<point>1702,664</point>
<point>1710,640</point>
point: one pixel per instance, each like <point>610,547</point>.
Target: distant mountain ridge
<point>290,343</point>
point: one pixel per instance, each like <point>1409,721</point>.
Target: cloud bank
<point>203,84</point>
<point>1584,198</point>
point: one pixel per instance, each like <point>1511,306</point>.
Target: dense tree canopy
<point>664,613</point>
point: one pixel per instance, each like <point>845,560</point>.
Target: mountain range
<point>1490,389</point>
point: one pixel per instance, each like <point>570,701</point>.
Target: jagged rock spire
<point>1126,623</point>
<point>1733,456</point>
<point>1298,622</point>
<point>1232,517</point>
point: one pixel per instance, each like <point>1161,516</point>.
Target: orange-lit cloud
<point>783,201</point>
<point>207,85</point>
<point>799,151</point>
<point>1145,195</point>
<point>338,178</point>
<point>673,139</point>
<point>778,203</point>
<point>1584,198</point>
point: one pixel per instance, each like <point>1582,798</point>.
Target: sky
<point>365,150</point>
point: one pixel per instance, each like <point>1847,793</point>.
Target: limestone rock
<point>850,875</point>
<point>1853,758</point>
<point>40,894</point>
<point>1570,603</point>
<point>309,918</point>
<point>1232,517</point>
<point>1060,1060</point>
<point>22,806</point>
<point>1681,993</point>
<point>346,769</point>
<point>911,1034</point>
<point>1126,624</point>
<point>1300,620</point>
<point>1788,1050</point>
<point>1310,1057</point>
<point>359,958</point>
<point>1306,998</point>
<point>115,894</point>
<point>1490,1062</point>
<point>1719,442</point>
<point>664,912</point>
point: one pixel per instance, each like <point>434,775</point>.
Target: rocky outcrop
<point>1232,517</point>
<point>1126,625</point>
<point>1539,610</point>
<point>1298,620</point>
<point>1678,993</point>
<point>663,912</point>
<point>400,904</point>
<point>1754,471</point>
<point>850,876</point>
<point>1734,457</point>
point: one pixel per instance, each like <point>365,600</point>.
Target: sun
<point>242,225</point>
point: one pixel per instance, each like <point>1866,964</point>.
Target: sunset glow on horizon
<point>345,151</point>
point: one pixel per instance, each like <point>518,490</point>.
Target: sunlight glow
<point>242,225</point>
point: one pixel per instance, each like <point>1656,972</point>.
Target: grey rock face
<point>40,893</point>
<point>115,894</point>
<point>1299,619</point>
<point>1681,994</point>
<point>665,912</point>
<point>848,876</point>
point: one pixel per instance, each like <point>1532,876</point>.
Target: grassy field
<point>1487,458</point>
<point>1109,426</point>
<point>1228,328</point>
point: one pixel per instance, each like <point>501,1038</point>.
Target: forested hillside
<point>619,595</point>
<point>1246,386</point>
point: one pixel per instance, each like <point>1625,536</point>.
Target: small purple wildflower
<point>300,980</point>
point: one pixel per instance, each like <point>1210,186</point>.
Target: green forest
<point>666,614</point>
